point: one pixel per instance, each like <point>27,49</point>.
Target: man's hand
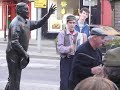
<point>72,48</point>
<point>52,9</point>
<point>97,70</point>
<point>26,55</point>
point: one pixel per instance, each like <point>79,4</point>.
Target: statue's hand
<point>26,55</point>
<point>52,9</point>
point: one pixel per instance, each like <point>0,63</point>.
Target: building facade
<point>101,14</point>
<point>104,12</point>
<point>116,13</point>
<point>7,8</point>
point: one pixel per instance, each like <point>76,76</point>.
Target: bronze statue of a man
<point>18,41</point>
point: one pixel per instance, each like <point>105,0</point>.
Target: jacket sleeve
<point>15,40</point>
<point>81,66</point>
<point>87,30</point>
<point>39,23</point>
<point>60,43</point>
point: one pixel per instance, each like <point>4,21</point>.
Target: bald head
<point>20,6</point>
<point>22,9</point>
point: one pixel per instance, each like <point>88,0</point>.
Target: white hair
<point>91,36</point>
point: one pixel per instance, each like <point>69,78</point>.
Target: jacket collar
<point>77,23</point>
<point>21,19</point>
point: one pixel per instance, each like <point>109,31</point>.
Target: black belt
<point>69,56</point>
<point>66,56</point>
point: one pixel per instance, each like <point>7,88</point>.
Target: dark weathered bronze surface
<point>18,41</point>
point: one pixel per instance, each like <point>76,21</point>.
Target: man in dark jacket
<point>18,41</point>
<point>88,58</point>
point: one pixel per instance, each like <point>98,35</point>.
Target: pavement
<point>32,86</point>
<point>48,59</point>
<point>33,42</point>
<point>47,49</point>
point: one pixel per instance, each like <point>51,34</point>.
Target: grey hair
<point>91,36</point>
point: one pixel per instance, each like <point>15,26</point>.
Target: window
<point>64,7</point>
<point>88,2</point>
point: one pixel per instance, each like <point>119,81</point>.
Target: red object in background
<point>106,13</point>
<point>11,11</point>
<point>5,0</point>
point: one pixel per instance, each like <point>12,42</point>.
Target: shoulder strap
<point>64,35</point>
<point>66,38</point>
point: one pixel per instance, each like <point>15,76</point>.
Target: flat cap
<point>98,32</point>
<point>71,18</point>
<point>112,57</point>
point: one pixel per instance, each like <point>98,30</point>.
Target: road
<point>42,73</point>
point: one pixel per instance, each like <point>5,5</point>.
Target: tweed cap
<point>71,18</point>
<point>98,32</point>
<point>112,57</point>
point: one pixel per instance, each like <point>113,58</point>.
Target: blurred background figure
<point>111,61</point>
<point>81,24</point>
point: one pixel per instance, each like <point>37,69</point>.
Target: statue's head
<point>22,10</point>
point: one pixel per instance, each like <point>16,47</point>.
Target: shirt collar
<point>68,32</point>
<point>78,23</point>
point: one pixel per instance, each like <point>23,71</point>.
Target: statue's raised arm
<point>52,9</point>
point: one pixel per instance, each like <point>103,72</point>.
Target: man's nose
<point>103,41</point>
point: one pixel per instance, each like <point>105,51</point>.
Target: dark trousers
<point>14,74</point>
<point>65,68</point>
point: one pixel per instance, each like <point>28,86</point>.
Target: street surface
<point>42,73</point>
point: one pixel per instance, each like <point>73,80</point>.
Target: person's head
<point>84,13</point>
<point>111,62</point>
<point>71,20</point>
<point>95,83</point>
<point>113,73</point>
<point>22,10</point>
<point>97,37</point>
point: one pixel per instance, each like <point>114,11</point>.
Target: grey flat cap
<point>71,18</point>
<point>112,57</point>
<point>98,32</point>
